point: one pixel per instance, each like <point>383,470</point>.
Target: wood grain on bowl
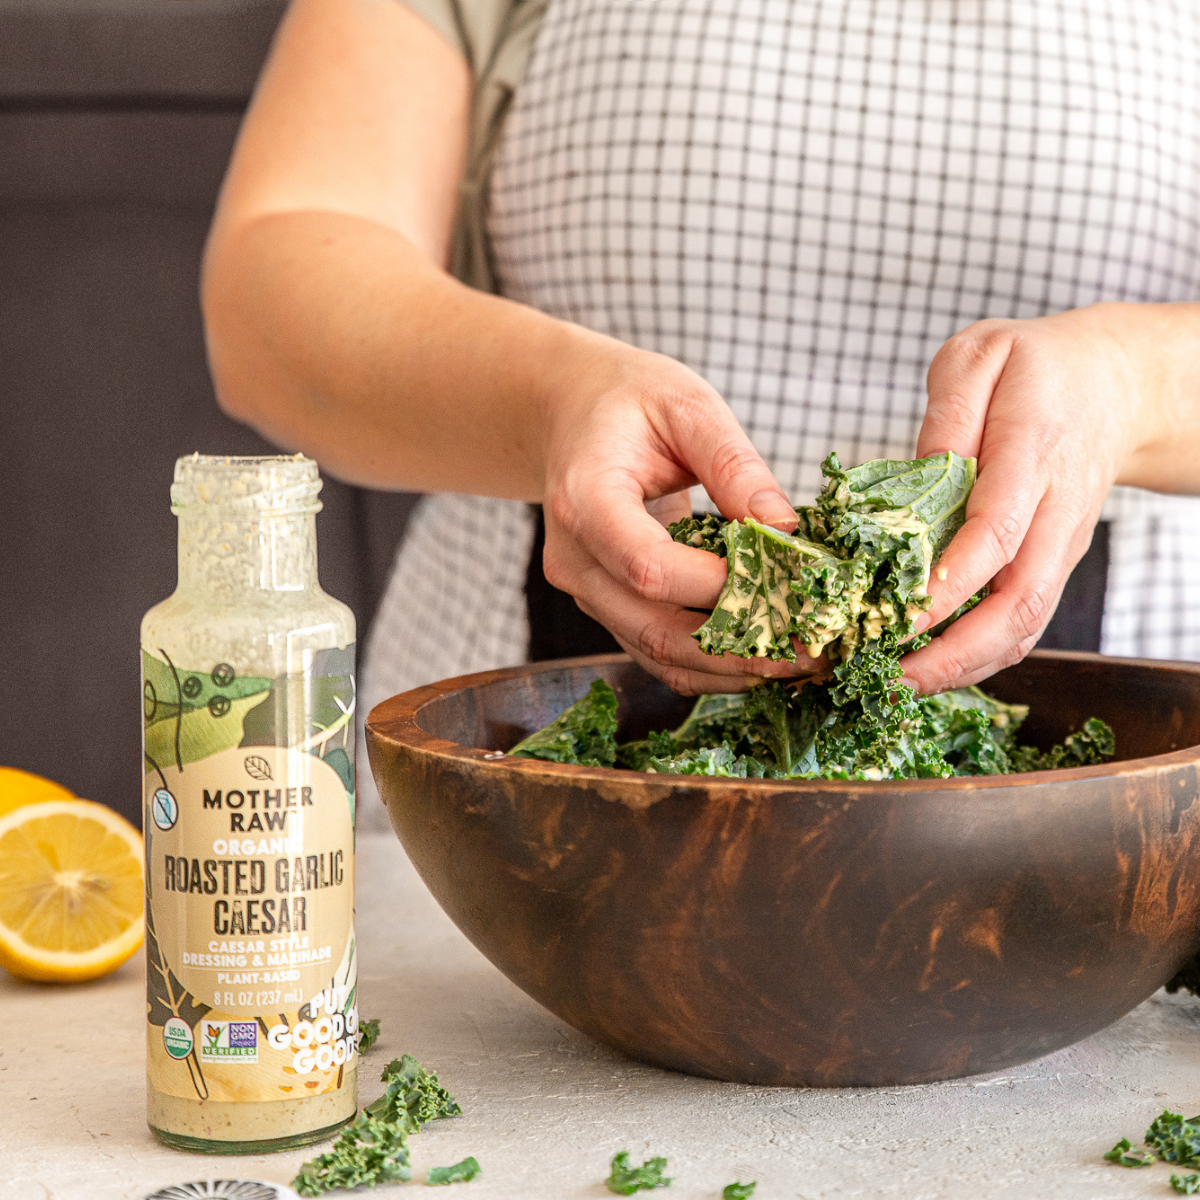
<point>811,932</point>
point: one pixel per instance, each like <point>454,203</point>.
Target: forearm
<point>334,335</point>
<point>1160,344</point>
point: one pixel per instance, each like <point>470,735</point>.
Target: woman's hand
<point>1056,410</point>
<point>626,434</point>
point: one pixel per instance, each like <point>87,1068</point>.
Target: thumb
<point>717,451</point>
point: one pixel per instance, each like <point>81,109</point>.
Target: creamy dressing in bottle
<point>249,696</point>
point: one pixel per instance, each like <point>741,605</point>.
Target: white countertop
<point>545,1108</point>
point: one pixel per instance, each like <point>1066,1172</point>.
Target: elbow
<point>233,342</point>
<point>225,329</point>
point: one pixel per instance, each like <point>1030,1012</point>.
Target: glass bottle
<point>249,696</point>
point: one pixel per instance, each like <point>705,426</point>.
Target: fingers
<point>666,510</point>
<point>704,434</point>
<point>1000,511</point>
<point>962,378</point>
<point>1006,625</point>
<point>687,682</point>
<point>657,634</point>
<point>614,528</point>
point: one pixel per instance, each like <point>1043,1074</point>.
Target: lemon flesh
<point>70,890</point>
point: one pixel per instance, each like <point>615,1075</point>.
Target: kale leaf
<point>857,564</point>
<point>371,1151</point>
<point>738,1191</point>
<point>375,1148</point>
<point>368,1034</point>
<point>851,579</point>
<point>461,1172</point>
<point>1186,1185</point>
<point>703,532</point>
<point>625,1180</point>
<point>1092,744</point>
<point>1175,1139</point>
<point>1124,1155</point>
<point>413,1096</point>
<point>586,733</point>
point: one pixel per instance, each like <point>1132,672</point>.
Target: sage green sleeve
<point>476,27</point>
<point>497,38</point>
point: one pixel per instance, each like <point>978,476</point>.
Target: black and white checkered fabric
<point>802,201</point>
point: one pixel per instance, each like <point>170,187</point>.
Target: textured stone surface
<point>546,1108</point>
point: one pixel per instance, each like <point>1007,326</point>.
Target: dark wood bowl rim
<point>395,721</point>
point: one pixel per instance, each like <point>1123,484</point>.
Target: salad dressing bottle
<point>248,694</point>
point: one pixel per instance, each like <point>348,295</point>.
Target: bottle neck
<point>224,559</point>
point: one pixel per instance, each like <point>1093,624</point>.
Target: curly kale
<point>1124,1155</point>
<point>625,1179</point>
<point>375,1148</point>
<point>851,579</point>
<point>460,1172</point>
<point>368,1034</point>
<point>1175,1139</point>
<point>413,1095</point>
<point>857,564</point>
<point>703,531</point>
<point>585,733</point>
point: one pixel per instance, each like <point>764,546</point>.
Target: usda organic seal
<point>178,1040</point>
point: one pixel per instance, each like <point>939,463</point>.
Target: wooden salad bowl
<point>811,932</point>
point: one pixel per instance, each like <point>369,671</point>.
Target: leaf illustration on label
<point>258,768</point>
<point>200,731</point>
<point>166,997</point>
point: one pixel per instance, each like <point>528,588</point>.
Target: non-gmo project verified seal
<point>228,1041</point>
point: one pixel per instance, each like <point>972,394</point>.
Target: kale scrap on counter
<point>1171,1138</point>
<point>849,583</point>
<point>625,1179</point>
<point>375,1148</point>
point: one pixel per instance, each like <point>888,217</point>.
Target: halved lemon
<point>70,890</point>
<point>19,787</point>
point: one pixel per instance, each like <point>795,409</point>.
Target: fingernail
<point>921,622</point>
<point>771,508</point>
<point>904,681</point>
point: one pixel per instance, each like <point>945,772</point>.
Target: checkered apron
<point>802,202</point>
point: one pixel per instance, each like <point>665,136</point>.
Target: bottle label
<point>249,828</point>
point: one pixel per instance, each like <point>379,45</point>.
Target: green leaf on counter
<point>370,1152</point>
<point>368,1034</point>
<point>1176,1139</point>
<point>625,1179</point>
<point>738,1191</point>
<point>1186,1185</point>
<point>1124,1155</point>
<point>374,1149</point>
<point>413,1095</point>
<point>460,1172</point>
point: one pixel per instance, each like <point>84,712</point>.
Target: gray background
<point>116,121</point>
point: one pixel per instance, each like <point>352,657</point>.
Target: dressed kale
<point>849,581</point>
<point>857,564</point>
